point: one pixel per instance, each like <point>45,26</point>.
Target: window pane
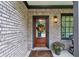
<point>71,24</point>
<point>71,34</point>
<point>67,30</point>
<point>67,18</point>
<point>71,18</point>
<point>67,35</point>
<point>67,24</point>
<point>71,30</point>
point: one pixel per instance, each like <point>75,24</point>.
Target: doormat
<point>41,53</point>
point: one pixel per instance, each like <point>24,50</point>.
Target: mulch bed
<point>41,53</point>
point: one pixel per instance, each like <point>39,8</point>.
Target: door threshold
<point>40,48</point>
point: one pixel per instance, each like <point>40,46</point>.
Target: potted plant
<point>57,47</point>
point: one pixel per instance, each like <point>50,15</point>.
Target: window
<point>66,26</point>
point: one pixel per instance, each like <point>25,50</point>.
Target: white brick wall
<point>13,33</point>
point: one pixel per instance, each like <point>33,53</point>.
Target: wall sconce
<point>55,19</point>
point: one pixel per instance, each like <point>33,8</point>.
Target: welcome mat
<point>41,53</point>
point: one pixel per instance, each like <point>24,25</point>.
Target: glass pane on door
<point>40,28</point>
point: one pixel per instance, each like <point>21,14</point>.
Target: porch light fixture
<point>55,19</point>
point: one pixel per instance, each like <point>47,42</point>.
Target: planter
<point>57,47</point>
<point>57,51</point>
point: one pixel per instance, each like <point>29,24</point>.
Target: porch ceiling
<point>48,4</point>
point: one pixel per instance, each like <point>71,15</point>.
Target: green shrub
<point>57,47</point>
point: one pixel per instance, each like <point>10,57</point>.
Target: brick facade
<point>13,29</point>
<point>16,22</point>
<point>54,29</point>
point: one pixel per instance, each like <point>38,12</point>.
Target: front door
<point>40,31</point>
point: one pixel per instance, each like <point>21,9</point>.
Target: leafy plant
<point>57,47</point>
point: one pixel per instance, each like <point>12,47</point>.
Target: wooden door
<point>40,31</point>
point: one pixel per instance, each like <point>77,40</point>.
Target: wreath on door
<point>41,28</point>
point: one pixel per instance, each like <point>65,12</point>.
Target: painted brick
<point>13,32</point>
<point>2,18</point>
<point>0,6</point>
<point>4,15</point>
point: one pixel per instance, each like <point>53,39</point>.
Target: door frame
<point>47,31</point>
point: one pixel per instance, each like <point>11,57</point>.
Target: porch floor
<point>64,53</point>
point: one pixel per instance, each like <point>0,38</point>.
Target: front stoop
<point>64,53</point>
